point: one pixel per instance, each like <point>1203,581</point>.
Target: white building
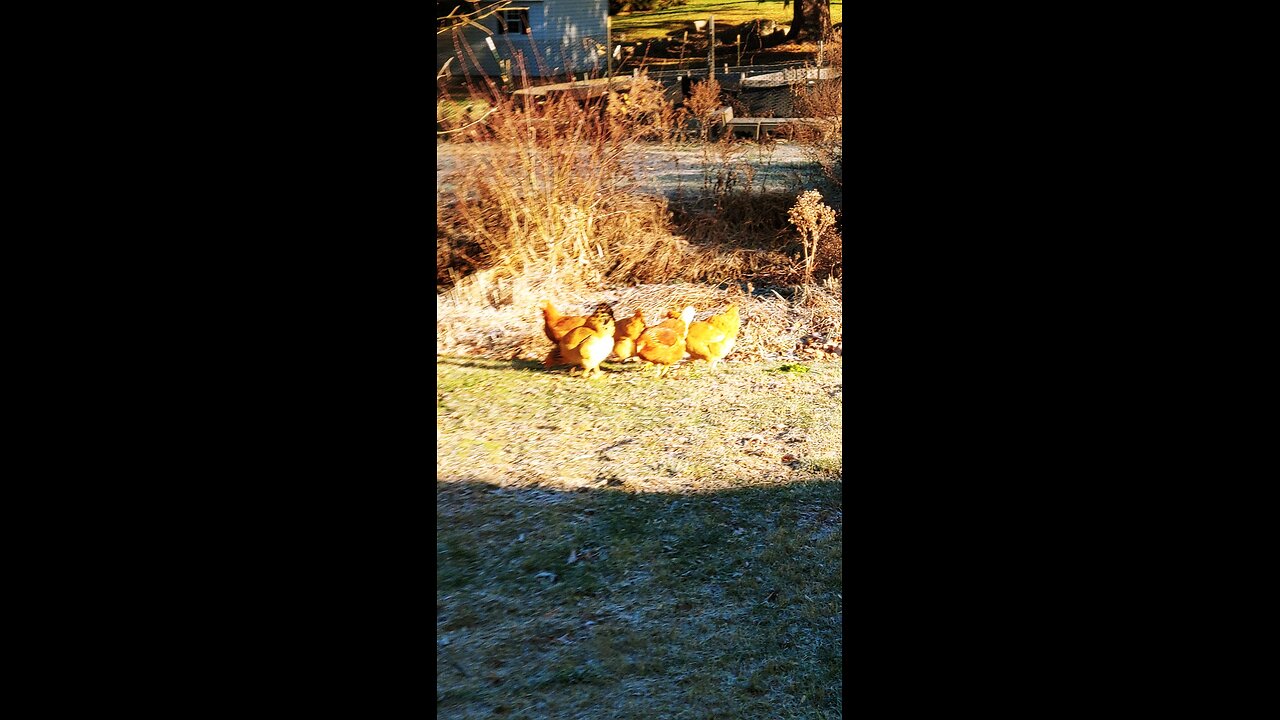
<point>554,38</point>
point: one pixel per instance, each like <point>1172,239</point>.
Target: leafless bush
<point>546,204</point>
<point>550,201</point>
<point>644,111</point>
<point>550,194</point>
<point>703,101</point>
<point>823,131</point>
<point>823,103</point>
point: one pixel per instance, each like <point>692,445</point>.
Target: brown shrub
<point>703,100</point>
<point>548,202</point>
<point>644,112</point>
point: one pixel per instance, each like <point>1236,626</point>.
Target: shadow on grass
<point>611,603</point>
<point>489,364</point>
<point>610,367</point>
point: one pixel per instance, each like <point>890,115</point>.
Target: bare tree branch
<point>473,18</point>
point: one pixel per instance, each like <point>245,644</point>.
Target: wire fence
<point>727,70</point>
<point>771,94</point>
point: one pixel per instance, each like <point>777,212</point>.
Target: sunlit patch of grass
<point>453,110</point>
<point>674,20</point>
<point>827,465</point>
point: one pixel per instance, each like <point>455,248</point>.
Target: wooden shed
<point>555,38</point>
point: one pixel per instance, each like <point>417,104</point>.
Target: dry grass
<point>553,207</point>
<point>824,102</point>
<point>509,326</point>
<point>644,112</point>
<point>552,202</point>
<point>560,221</point>
<point>551,197</point>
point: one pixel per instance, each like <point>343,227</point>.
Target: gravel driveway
<point>671,170</point>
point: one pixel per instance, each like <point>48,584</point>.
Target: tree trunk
<point>810,18</point>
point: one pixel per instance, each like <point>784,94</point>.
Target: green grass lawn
<point>453,109</point>
<point>638,548</point>
<point>672,21</point>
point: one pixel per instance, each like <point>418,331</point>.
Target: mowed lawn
<point>638,548</point>
<point>674,20</point>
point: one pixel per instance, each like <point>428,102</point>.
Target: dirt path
<point>679,169</point>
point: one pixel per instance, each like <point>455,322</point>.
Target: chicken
<point>663,344</point>
<point>626,334</point>
<point>590,344</point>
<point>713,339</point>
<point>556,325</point>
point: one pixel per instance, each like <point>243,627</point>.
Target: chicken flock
<point>586,341</point>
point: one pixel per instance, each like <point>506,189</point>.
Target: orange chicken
<point>556,325</point>
<point>590,344</point>
<point>624,338</point>
<point>663,344</point>
<point>713,339</point>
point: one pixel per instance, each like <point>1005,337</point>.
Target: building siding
<point>566,36</point>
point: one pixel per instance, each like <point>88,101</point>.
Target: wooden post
<point>711,43</point>
<point>608,46</point>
